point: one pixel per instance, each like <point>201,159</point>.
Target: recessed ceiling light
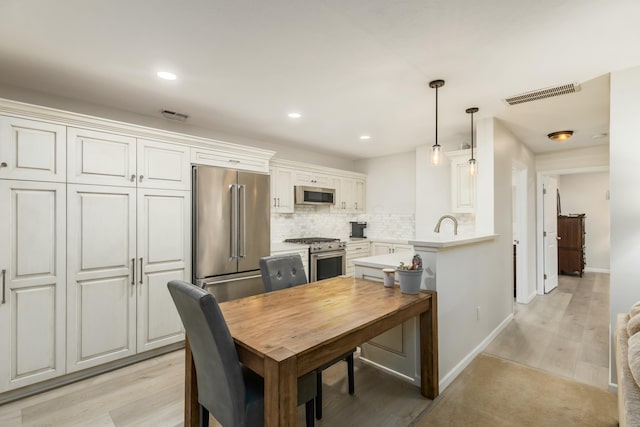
<point>294,115</point>
<point>365,136</point>
<point>166,75</point>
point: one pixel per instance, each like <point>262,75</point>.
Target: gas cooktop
<point>319,244</point>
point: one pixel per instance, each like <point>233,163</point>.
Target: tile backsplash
<point>309,221</point>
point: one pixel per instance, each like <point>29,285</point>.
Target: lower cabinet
<point>32,275</point>
<point>359,249</point>
<point>383,248</point>
<point>123,246</point>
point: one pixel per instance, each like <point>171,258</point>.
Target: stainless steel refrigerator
<point>231,230</point>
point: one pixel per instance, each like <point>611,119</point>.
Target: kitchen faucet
<point>455,224</point>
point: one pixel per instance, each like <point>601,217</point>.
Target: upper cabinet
<point>245,158</point>
<point>162,165</point>
<point>281,189</point>
<point>311,179</point>
<point>32,150</point>
<point>350,187</point>
<point>463,185</point>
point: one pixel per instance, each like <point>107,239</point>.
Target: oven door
<point>324,265</point>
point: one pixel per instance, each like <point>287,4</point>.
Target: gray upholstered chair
<point>230,391</point>
<point>285,271</point>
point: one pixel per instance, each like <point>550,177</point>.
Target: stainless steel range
<point>327,257</point>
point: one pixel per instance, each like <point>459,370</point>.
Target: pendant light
<point>436,150</point>
<point>473,166</point>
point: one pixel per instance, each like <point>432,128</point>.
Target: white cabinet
<point>349,194</point>
<point>124,245</point>
<point>357,249</point>
<point>384,248</point>
<point>234,160</point>
<point>281,190</point>
<point>32,150</point>
<point>108,159</point>
<point>101,266</point>
<point>163,251</point>
<point>32,305</point>
<point>463,185</point>
<point>162,165</point>
<point>100,158</point>
<point>311,179</point>
<point>303,252</point>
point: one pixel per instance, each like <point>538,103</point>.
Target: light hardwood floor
<point>565,332</point>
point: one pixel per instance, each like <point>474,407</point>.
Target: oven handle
<point>325,255</point>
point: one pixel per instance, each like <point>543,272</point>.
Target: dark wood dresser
<point>571,243</point>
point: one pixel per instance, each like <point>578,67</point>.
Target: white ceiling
<point>350,67</point>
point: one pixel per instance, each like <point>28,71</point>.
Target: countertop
<point>446,241</point>
<point>385,261</point>
<point>286,246</point>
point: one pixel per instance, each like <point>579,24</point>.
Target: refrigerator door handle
<point>242,229</point>
<point>233,238</point>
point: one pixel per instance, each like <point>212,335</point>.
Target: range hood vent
<point>543,93</point>
<point>172,115</point>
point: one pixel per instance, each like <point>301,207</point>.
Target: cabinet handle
<point>3,165</point>
<point>278,201</point>
<point>274,202</point>
<point>133,177</point>
<point>234,161</point>
<point>4,282</point>
<point>133,271</point>
<point>141,270</point>
<point>356,205</point>
<point>141,176</point>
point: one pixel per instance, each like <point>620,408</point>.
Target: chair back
<point>221,388</point>
<point>282,271</point>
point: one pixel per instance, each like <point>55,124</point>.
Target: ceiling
<point>349,67</point>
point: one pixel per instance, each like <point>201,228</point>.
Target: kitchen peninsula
<point>457,268</point>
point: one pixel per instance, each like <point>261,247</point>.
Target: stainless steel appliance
<point>327,257</point>
<point>358,229</point>
<point>231,230</point>
<point>314,195</point>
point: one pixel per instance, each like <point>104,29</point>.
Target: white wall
<point>391,183</point>
<point>432,191</point>
<point>586,193</point>
<point>587,159</point>
<point>625,193</point>
<point>292,152</point>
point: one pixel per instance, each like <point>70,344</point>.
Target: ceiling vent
<point>543,93</point>
<point>172,115</point>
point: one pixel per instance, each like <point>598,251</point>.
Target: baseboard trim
<point>30,390</point>
<point>597,270</point>
<point>532,296</point>
<point>453,374</point>
<point>613,388</point>
<point>414,381</point>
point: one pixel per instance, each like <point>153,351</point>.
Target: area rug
<point>496,392</point>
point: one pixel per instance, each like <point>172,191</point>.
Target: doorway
<point>520,240</point>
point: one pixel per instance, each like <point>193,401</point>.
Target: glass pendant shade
<point>473,165</point>
<point>436,149</point>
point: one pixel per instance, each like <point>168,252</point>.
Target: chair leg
<point>309,413</point>
<point>318,394</point>
<point>204,417</point>
<point>350,374</point>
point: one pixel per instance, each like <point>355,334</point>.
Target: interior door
<point>254,240</point>
<point>550,227</point>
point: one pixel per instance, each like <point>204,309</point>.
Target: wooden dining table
<point>285,334</point>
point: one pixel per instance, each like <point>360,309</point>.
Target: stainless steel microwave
<point>314,195</point>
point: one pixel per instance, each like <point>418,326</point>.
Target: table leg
<point>429,350</point>
<point>191,407</point>
<point>280,388</point>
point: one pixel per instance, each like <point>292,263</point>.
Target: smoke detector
<point>172,115</point>
<point>549,92</point>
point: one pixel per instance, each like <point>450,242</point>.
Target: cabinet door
<point>101,265</point>
<point>32,150</point>
<point>311,179</point>
<point>348,188</point>
<point>359,190</point>
<point>32,305</point>
<point>100,158</point>
<point>400,248</point>
<point>163,165</point>
<point>463,187</point>
<point>164,248</point>
<point>340,203</point>
<point>281,190</point>
<point>378,248</point>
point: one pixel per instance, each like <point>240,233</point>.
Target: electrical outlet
<point>478,313</point>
